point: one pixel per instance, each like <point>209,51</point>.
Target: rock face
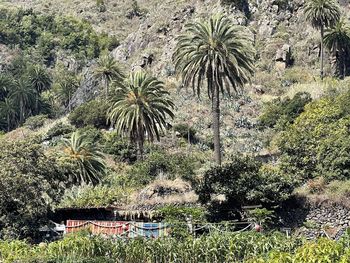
<point>283,57</point>
<point>87,90</point>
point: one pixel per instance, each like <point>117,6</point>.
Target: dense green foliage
<point>140,109</point>
<point>159,163</point>
<point>21,88</point>
<point>317,143</point>
<point>218,247</point>
<point>89,195</point>
<point>337,40</point>
<point>59,129</point>
<point>46,33</point>
<point>279,113</point>
<point>121,149</point>
<point>35,122</point>
<point>244,181</point>
<point>85,156</point>
<point>91,113</point>
<point>30,184</point>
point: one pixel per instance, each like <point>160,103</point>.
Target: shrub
<point>90,113</point>
<point>92,136</point>
<point>184,131</point>
<point>244,181</point>
<point>96,196</point>
<point>159,163</point>
<point>297,75</point>
<point>338,189</point>
<point>178,217</point>
<point>27,29</point>
<point>318,142</point>
<point>280,113</point>
<point>135,10</point>
<point>35,122</point>
<point>59,129</point>
<point>30,184</point>
<point>120,148</point>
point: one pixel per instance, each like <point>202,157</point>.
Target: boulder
<point>283,57</point>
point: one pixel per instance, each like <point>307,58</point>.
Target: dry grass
<point>164,192</point>
<point>317,193</point>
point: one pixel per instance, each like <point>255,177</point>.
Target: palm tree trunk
<point>8,122</point>
<point>139,148</point>
<point>216,124</point>
<point>343,61</point>
<point>21,112</point>
<point>37,104</point>
<point>322,52</point>
<point>139,142</point>
<point>106,86</point>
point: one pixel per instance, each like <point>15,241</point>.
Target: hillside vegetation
<point>177,108</point>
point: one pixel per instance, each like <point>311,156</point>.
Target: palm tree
<point>6,84</point>
<point>140,109</point>
<point>107,71</point>
<point>22,94</point>
<point>8,111</point>
<point>40,80</point>
<point>322,14</point>
<point>337,39</point>
<point>88,159</point>
<point>219,54</point>
<point>65,88</point>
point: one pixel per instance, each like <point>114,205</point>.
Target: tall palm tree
<point>40,80</point>
<point>22,94</point>
<point>337,39</point>
<point>88,159</point>
<point>140,108</point>
<point>8,111</point>
<point>217,54</point>
<point>322,14</point>
<point>107,70</point>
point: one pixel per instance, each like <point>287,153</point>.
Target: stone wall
<point>329,215</point>
<point>314,220</point>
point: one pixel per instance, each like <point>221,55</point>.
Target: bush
<point>241,5</point>
<point>297,75</point>
<point>30,184</point>
<point>318,142</point>
<point>91,113</point>
<point>120,148</point>
<point>279,113</point>
<point>59,129</point>
<point>35,122</point>
<point>92,136</point>
<point>178,217</point>
<point>27,29</point>
<point>184,131</point>
<point>94,196</point>
<point>159,163</point>
<point>244,181</point>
